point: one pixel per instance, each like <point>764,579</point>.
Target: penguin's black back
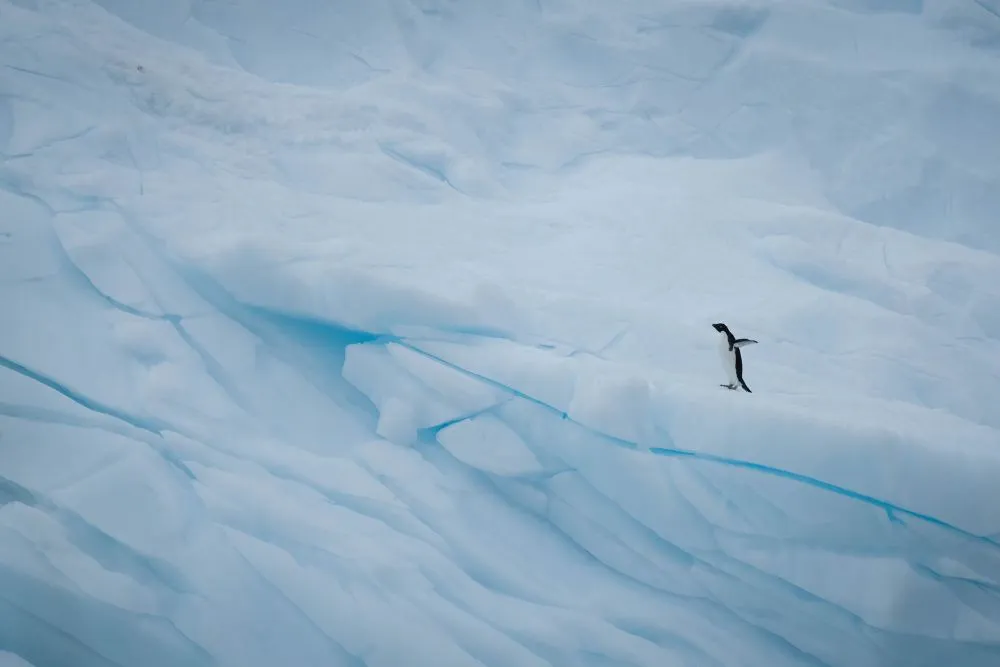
<point>739,368</point>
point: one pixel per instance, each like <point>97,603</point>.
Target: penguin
<point>732,359</point>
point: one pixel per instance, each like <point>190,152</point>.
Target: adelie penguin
<point>732,359</point>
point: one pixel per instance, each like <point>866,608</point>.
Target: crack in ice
<point>150,424</point>
<point>673,452</point>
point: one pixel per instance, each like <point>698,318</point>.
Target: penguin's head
<point>720,327</point>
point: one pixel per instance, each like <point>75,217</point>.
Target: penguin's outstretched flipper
<point>740,342</point>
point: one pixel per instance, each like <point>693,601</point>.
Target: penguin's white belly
<point>728,358</point>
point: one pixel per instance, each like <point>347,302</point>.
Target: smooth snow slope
<point>378,333</point>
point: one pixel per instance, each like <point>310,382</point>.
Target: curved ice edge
<point>410,338</point>
<point>893,511</point>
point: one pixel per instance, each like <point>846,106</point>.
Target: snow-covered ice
<point>379,333</point>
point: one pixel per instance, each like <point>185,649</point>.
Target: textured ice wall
<point>380,336</point>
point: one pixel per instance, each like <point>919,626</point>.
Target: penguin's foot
<point>729,386</point>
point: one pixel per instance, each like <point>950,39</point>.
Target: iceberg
<point>379,334</point>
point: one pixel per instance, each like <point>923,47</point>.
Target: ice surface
<point>379,333</point>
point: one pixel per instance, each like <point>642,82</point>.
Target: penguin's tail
<point>744,385</point>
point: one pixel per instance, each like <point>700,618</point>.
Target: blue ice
<point>379,334</point>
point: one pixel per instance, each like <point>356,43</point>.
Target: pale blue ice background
<point>377,332</point>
